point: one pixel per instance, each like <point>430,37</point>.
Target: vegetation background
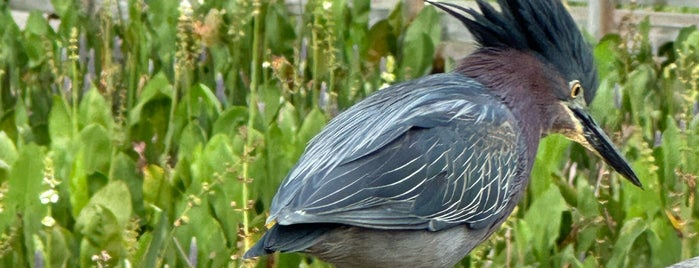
<point>158,138</point>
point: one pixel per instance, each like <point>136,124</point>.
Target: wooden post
<point>413,7</point>
<point>601,17</point>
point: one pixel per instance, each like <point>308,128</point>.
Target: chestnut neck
<point>522,82</point>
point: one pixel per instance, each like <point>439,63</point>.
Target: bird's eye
<point>576,89</point>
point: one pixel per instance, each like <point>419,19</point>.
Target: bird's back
<point>437,153</point>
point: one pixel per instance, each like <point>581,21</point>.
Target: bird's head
<point>537,49</point>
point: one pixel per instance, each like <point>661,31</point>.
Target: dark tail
<point>288,238</point>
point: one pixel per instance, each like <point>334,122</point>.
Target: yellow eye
<point>576,89</point>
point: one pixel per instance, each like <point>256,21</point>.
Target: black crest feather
<point>541,26</point>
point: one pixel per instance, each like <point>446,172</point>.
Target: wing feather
<point>430,153</point>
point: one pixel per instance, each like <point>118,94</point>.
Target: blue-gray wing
<point>426,154</point>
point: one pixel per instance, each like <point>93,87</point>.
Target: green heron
<point>419,173</point>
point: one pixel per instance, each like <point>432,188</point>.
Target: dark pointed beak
<point>601,144</point>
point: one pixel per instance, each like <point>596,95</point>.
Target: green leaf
<point>672,159</point>
<point>312,124</point>
<point>417,56</point>
<point>116,198</point>
<point>607,55</point>
<point>419,43</point>
<point>192,136</point>
<point>279,32</point>
<point>524,239</point>
<point>210,240</point>
<point>78,184</point>
<point>60,128</point>
<point>666,246</point>
<point>270,96</point>
<point>640,80</point>
<point>124,168</point>
<point>549,158</point>
<point>25,186</point>
<point>631,229</point>
<point>8,152</point>
<point>94,109</point>
<point>544,219</point>
<point>96,149</point>
<point>157,190</point>
<point>382,40</point>
<point>37,32</point>
<point>287,120</point>
<point>61,241</point>
<point>62,6</point>
<point>103,220</point>
<point>157,87</point>
<point>603,107</point>
<point>230,121</point>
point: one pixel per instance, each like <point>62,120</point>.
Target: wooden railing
<point>665,25</point>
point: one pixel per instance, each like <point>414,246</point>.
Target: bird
<point>419,173</point>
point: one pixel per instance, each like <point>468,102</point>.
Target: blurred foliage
<point>158,137</point>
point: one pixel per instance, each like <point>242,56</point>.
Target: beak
<point>599,143</point>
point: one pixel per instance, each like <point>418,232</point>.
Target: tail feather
<point>288,238</point>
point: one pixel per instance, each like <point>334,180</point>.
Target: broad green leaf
<point>207,96</point>
<point>60,128</point>
<point>210,241</point>
<point>96,149</point>
<point>280,153</point>
<point>640,80</point>
<point>157,87</point>
<point>61,242</point>
<point>524,238</point>
<point>637,202</point>
<point>417,56</point>
<point>548,161</point>
<point>157,190</point>
<point>382,41</point>
<point>544,219</point>
<point>607,55</point>
<point>22,202</point>
<point>8,152</point>
<point>279,32</point>
<point>419,43</point>
<point>312,124</point>
<point>78,184</point>
<point>37,31</point>
<point>124,168</point>
<point>287,120</point>
<point>230,121</point>
<point>271,99</point>
<point>603,108</point>
<point>104,218</point>
<point>63,6</point>
<point>672,159</point>
<point>144,243</point>
<point>116,198</point>
<point>192,136</point>
<point>630,230</point>
<point>665,244</point>
<point>102,235</point>
<point>94,109</point>
<point>588,207</point>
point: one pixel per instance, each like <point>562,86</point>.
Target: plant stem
<point>252,109</point>
<point>315,46</point>
<point>75,84</point>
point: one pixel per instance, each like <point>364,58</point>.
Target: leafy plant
<point>158,135</point>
